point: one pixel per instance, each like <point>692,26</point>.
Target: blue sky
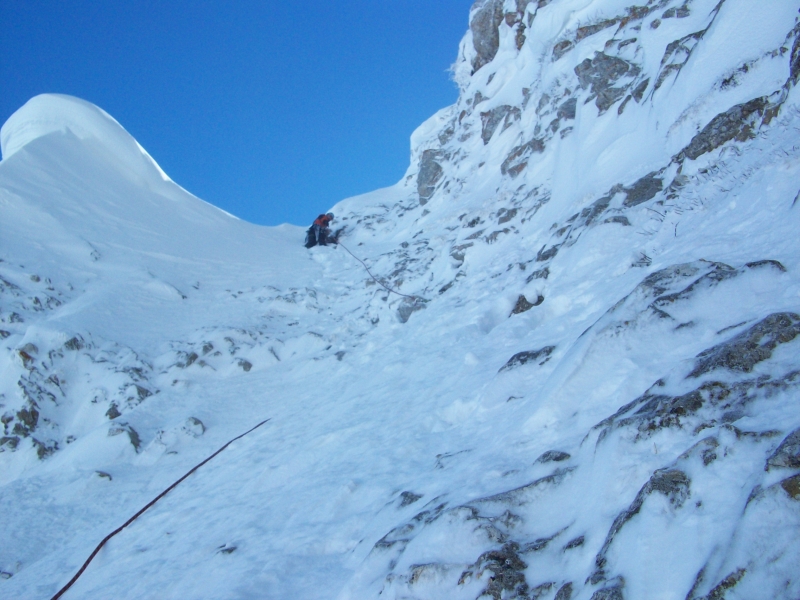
<point>270,110</point>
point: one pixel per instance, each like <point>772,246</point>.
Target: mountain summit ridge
<point>596,400</point>
<point>50,113</point>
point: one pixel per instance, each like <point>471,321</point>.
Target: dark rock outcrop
<point>133,435</point>
<point>517,159</point>
<point>547,253</point>
<point>794,67</point>
<point>728,583</point>
<point>538,274</point>
<point>504,215</point>
<point>737,123</point>
<point>408,498</point>
<point>194,427</point>
<point>561,48</point>
<point>75,343</point>
<point>11,441</point>
<point>521,358</point>
<point>787,455</point>
<point>775,264</point>
<point>672,483</point>
<point>524,305</point>
<point>601,73</point>
<point>643,190</point>
<point>575,543</point>
<point>676,56</point>
<point>567,109</point>
<point>553,456</point>
<point>485,27</point>
<point>113,411</point>
<point>751,347</point>
<point>612,592</point>
<point>491,120</point>
<point>430,172</point>
<point>522,494</point>
<point>508,569</point>
<point>564,592</point>
<point>720,402</point>
<point>792,486</point>
<point>589,30</point>
<point>408,307</point>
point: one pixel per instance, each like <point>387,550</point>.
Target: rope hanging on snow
<point>387,288</point>
<point>149,504</point>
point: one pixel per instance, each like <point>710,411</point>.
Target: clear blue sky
<point>272,110</point>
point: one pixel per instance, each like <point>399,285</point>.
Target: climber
<point>319,233</point>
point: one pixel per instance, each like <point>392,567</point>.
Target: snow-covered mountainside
<point>589,390</point>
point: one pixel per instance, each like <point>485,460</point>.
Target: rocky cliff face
<point>589,391</point>
<point>609,137</point>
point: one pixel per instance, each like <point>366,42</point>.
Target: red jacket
<point>322,220</point>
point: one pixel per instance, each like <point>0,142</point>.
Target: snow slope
<point>589,391</point>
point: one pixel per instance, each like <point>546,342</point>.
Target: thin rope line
<point>388,289</point>
<point>149,504</point>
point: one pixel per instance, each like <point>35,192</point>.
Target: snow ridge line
<point>387,288</point>
<point>149,504</point>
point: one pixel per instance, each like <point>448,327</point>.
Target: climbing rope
<point>149,504</point>
<point>387,288</point>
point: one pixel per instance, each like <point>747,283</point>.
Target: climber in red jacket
<point>320,232</point>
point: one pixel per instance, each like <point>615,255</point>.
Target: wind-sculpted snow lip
<point>49,114</point>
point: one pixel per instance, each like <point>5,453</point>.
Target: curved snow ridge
<point>49,113</point>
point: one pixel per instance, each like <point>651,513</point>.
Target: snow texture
<point>590,391</point>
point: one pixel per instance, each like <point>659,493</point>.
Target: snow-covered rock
<point>588,388</point>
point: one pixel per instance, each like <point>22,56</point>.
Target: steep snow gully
<point>599,400</point>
